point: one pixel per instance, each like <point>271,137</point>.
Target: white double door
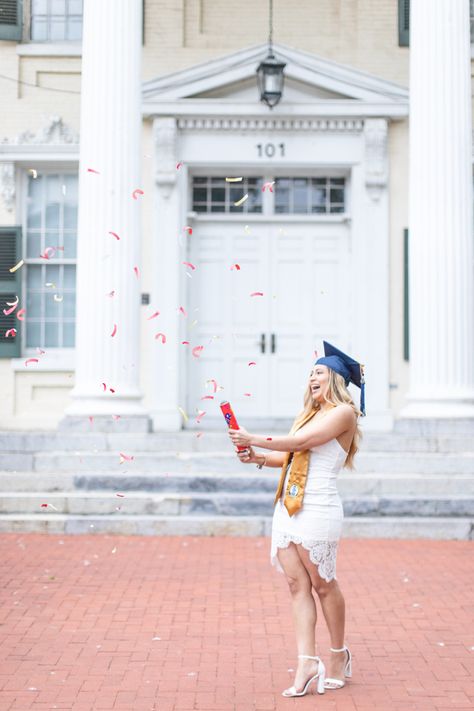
<point>298,274</point>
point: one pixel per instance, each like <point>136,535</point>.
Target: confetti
<point>9,311</point>
<point>91,170</point>
<point>185,343</point>
<point>91,419</point>
<point>114,234</point>
<point>157,313</point>
<point>233,180</point>
<point>252,362</point>
<point>197,350</point>
<point>188,264</point>
<point>58,298</point>
<point>104,387</point>
<point>114,330</point>
<point>33,172</point>
<point>137,273</point>
<point>241,201</point>
<point>185,417</point>
<point>17,266</point>
<point>136,193</point>
<point>198,434</point>
<point>248,394</point>
<point>257,293</point>
<point>112,390</point>
<point>188,229</point>
<point>269,439</point>
<point>21,315</point>
<point>53,507</point>
<point>268,185</point>
<point>181,310</point>
<point>10,332</point>
<point>112,293</point>
<point>121,495</point>
<point>48,253</point>
<point>116,417</point>
<point>200,413</point>
<point>51,284</point>
<point>247,230</point>
<point>162,336</point>
<point>235,266</point>
<point>179,164</point>
<point>125,457</point>
<point>13,303</point>
<point>194,323</point>
<point>214,384</point>
<point>40,350</point>
<point>208,397</point>
<point>31,360</point>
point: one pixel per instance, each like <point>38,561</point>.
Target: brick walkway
<point>136,623</point>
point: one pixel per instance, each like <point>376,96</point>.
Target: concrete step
<point>220,504</point>
<point>226,462</point>
<point>349,484</point>
<point>442,528</point>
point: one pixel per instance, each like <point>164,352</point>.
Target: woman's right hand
<point>248,456</point>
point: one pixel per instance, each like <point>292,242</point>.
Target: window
<point>404,22</point>
<point>50,280</point>
<point>56,20</point>
<point>309,195</point>
<point>218,195</point>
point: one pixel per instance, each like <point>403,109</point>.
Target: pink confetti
<point>252,362</point>
<point>114,234</point>
<point>235,266</point>
<point>208,397</point>
<point>162,336</point>
<point>185,343</point>
<point>200,413</point>
<point>116,417</point>
<point>179,165</point>
<point>112,390</point>
<point>104,387</point>
<point>157,313</point>
<point>10,332</point>
<point>136,193</point>
<point>21,315</point>
<point>268,185</point>
<point>315,354</point>
<point>188,229</point>
<point>114,331</point>
<point>269,439</point>
<point>48,253</point>
<point>188,264</point>
<point>40,350</point>
<point>197,350</point>
<point>121,495</point>
<point>31,360</point>
<point>137,273</point>
<point>7,312</point>
<point>257,293</point>
<point>182,311</point>
<point>214,384</point>
<point>112,293</point>
<point>125,457</point>
<point>91,170</point>
<point>198,434</point>
<point>91,419</point>
<point>248,394</point>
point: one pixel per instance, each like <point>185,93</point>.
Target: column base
<point>438,409</point>
<point>139,424</point>
<point>166,421</point>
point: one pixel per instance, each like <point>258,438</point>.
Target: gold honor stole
<point>297,480</point>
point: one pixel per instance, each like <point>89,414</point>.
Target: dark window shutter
<point>11,15</point>
<point>10,286</point>
<point>404,23</point>
<point>406,313</point>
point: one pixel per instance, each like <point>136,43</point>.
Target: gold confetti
<point>58,298</point>
<point>17,266</point>
<point>233,180</point>
<point>51,284</point>
<point>184,415</point>
<point>241,201</point>
<point>33,172</point>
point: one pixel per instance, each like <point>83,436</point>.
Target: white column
<point>440,214</point>
<point>109,144</point>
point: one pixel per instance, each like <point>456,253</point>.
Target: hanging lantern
<point>270,76</point>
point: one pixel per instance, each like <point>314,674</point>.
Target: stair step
<point>441,528</point>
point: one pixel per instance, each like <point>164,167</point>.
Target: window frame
<point>28,25</point>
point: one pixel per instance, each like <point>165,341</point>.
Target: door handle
<point>273,346</point>
<point>262,343</point>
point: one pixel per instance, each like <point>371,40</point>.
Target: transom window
<point>218,195</point>
<point>56,20</point>
<point>309,195</point>
<point>50,264</point>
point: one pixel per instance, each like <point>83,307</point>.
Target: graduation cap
<point>350,369</point>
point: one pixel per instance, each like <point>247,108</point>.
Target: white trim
<point>49,49</point>
<point>63,360</point>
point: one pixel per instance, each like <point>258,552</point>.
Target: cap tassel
<point>362,392</point>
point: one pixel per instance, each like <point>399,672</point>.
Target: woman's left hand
<point>240,438</point>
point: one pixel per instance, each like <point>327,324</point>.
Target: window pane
<point>33,304</point>
<point>199,195</point>
<point>39,7</point>
<point>74,28</point>
<point>33,334</point>
<point>34,277</point>
<point>68,334</point>
<point>52,274</point>
<point>57,29</point>
<point>52,215</point>
<point>69,276</point>
<point>70,216</point>
<point>69,305</point>
<point>223,195</point>
<point>33,245</point>
<point>318,199</point>
<point>39,29</point>
<point>218,194</point>
<point>51,334</point>
<point>70,241</point>
<point>75,7</point>
<point>337,195</point>
<point>300,195</point>
<point>57,7</point>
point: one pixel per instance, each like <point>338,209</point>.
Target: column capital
<point>165,134</point>
<point>376,158</point>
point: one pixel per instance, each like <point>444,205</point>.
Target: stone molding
<point>271,124</point>
<point>376,169</point>
<point>7,185</point>
<point>164,141</point>
<point>55,132</point>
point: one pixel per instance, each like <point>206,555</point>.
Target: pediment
<point>308,79</point>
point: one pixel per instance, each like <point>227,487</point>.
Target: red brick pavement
<point>98,622</point>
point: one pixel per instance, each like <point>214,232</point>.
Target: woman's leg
<point>334,611</point>
<point>304,611</point>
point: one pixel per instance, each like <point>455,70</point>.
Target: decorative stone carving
<point>7,185</point>
<point>56,132</point>
<point>376,168</point>
<point>271,124</point>
<point>164,137</point>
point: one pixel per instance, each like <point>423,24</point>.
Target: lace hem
<point>321,553</point>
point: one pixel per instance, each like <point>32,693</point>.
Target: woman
<point>308,515</point>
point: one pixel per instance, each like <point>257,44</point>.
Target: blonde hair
<point>337,394</point>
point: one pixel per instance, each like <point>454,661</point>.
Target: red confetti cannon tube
<point>230,419</point>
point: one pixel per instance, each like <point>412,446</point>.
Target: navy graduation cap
<point>350,369</point>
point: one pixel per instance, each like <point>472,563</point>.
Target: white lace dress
<point>317,525</point>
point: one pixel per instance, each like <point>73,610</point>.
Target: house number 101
<point>270,149</point>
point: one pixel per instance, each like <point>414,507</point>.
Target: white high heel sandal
<point>319,676</point>
<point>338,683</point>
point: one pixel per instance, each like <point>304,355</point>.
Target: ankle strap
<point>307,656</point>
<point>343,649</point>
